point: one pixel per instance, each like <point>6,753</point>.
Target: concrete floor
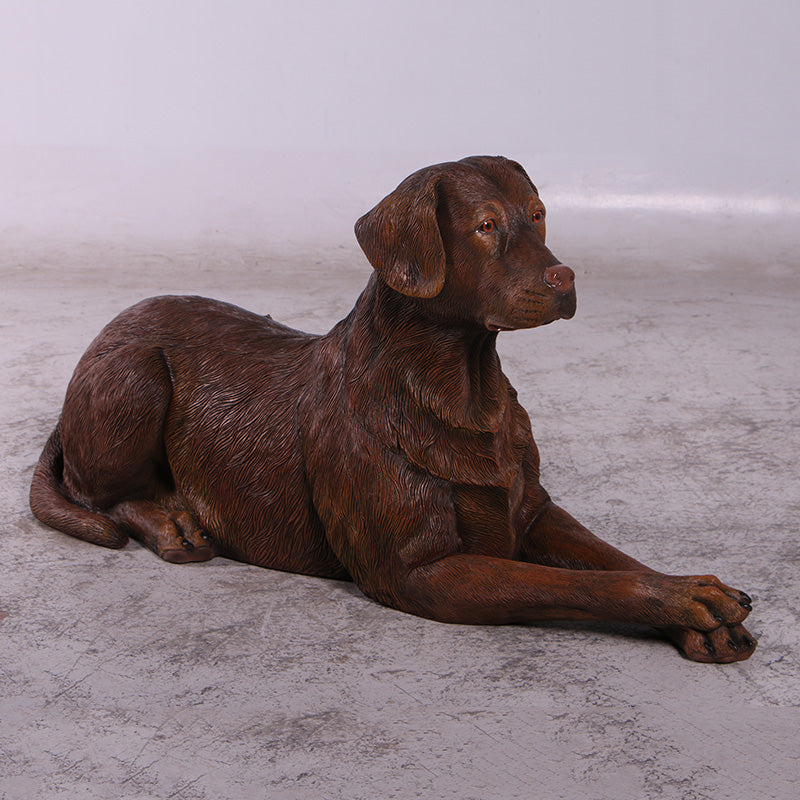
<point>667,417</point>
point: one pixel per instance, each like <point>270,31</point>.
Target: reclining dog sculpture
<point>391,451</point>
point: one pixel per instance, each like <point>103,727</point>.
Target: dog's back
<point>158,409</point>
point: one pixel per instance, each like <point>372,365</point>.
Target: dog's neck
<point>450,371</point>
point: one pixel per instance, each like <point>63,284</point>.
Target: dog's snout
<point>559,277</point>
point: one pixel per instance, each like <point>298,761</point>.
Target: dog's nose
<point>559,277</point>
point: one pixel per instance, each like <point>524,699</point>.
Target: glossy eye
<point>487,226</point>
<point>538,216</point>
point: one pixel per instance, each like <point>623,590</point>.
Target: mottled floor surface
<point>667,416</point>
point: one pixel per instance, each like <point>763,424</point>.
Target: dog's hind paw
<point>187,543</point>
<point>171,535</point>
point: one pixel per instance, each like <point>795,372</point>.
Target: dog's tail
<point>50,504</point>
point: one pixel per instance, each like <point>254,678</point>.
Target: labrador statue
<point>391,451</point>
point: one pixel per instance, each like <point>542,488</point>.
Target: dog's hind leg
<point>171,535</point>
<point>114,455</point>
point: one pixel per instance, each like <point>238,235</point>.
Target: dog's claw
<point>709,647</point>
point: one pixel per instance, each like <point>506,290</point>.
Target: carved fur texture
<point>391,451</point>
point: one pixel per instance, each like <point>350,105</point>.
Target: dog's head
<point>467,239</point>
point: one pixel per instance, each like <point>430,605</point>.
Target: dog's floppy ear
<point>401,237</point>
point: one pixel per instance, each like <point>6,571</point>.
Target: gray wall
<point>128,112</point>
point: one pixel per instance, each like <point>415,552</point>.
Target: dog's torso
<point>274,444</point>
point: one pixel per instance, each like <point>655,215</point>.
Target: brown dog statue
<point>391,451</point>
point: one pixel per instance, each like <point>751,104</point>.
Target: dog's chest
<point>484,470</point>
<point>465,456</point>
<point>485,518</point>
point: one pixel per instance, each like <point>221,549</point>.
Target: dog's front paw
<point>723,645</point>
<point>692,602</point>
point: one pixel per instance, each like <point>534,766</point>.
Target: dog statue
<point>391,451</point>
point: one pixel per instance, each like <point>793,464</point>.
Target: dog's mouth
<point>563,308</point>
<point>495,327</point>
<point>567,305</point>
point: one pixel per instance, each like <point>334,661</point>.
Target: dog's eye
<point>487,226</point>
<point>538,216</point>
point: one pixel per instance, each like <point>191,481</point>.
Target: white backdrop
<point>195,116</point>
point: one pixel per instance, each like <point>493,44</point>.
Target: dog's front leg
<point>478,589</point>
<point>556,539</point>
